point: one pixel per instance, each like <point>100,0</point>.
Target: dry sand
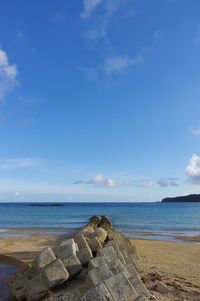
<point>179,263</point>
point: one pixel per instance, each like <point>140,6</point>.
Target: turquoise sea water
<point>170,219</point>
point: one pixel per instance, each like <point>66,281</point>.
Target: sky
<point>99,100</point>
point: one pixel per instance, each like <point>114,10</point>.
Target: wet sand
<point>178,262</point>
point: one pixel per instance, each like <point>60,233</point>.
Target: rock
<point>36,289</point>
<point>141,298</point>
<point>67,242</point>
<point>66,295</point>
<point>67,249</point>
<point>161,288</point>
<point>94,244</point>
<point>97,261</point>
<point>131,270</point>
<point>153,298</point>
<point>98,275</point>
<point>157,276</point>
<point>120,288</point>
<point>84,255</point>
<point>100,233</point>
<point>87,231</point>
<point>44,258</point>
<point>55,273</point>
<point>81,242</point>
<point>105,222</point>
<point>116,267</point>
<point>108,252</point>
<point>16,285</point>
<point>73,265</point>
<point>95,220</point>
<point>98,293</point>
<point>139,285</point>
<point>116,248</point>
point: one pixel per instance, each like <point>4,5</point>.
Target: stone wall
<point>98,264</point>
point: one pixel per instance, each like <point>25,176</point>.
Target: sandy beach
<point>178,262</point>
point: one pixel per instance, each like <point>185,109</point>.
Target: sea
<point>163,221</point>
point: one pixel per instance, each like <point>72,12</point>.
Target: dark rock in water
<point>105,222</point>
<point>192,198</point>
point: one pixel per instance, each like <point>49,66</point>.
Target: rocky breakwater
<point>98,264</point>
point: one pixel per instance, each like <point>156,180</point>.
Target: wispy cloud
<point>165,182</point>
<point>193,170</point>
<point>97,27</point>
<point>98,181</point>
<point>17,162</point>
<point>20,35</point>
<point>8,75</point>
<point>90,72</point>
<point>88,7</point>
<point>142,183</point>
<point>118,64</point>
<point>195,131</point>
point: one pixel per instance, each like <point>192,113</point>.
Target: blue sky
<point>99,100</point>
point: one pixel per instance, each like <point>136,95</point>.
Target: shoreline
<point>179,263</point>
<point>152,236</point>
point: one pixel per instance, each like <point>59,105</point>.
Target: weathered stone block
<point>67,242</point>
<point>73,265</point>
<point>97,261</point>
<point>98,293</point>
<point>108,252</point>
<point>87,231</point>
<point>44,258</point>
<point>81,242</point>
<point>139,285</point>
<point>117,267</point>
<point>98,275</point>
<point>131,270</point>
<point>142,298</point>
<point>94,244</point>
<point>100,233</point>
<point>55,273</point>
<point>120,288</point>
<point>117,250</point>
<point>36,289</point>
<point>84,255</point>
<point>67,250</point>
<point>16,285</point>
<point>162,288</point>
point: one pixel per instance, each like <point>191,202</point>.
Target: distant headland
<point>192,198</point>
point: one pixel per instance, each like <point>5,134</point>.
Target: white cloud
<point>193,170</point>
<point>118,64</point>
<point>8,75</point>
<point>196,131</point>
<point>99,181</point>
<point>17,163</point>
<point>88,7</point>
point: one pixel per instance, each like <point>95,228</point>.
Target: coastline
<point>179,263</point>
<point>48,233</point>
